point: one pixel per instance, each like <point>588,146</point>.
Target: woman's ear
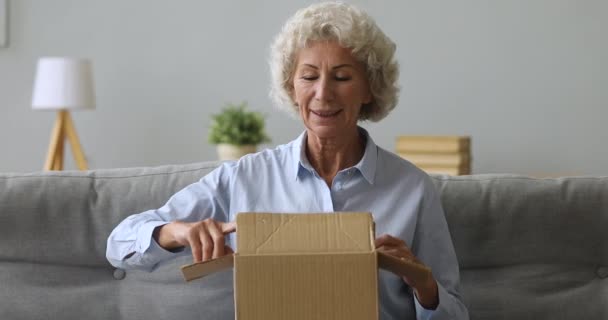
<point>292,94</point>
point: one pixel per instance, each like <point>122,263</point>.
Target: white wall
<point>528,79</point>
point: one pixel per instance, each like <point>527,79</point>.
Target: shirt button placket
<point>327,204</point>
<point>337,192</point>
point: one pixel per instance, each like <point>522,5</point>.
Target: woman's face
<point>330,87</point>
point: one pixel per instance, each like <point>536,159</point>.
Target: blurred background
<point>526,79</point>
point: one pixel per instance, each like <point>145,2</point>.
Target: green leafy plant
<point>235,125</point>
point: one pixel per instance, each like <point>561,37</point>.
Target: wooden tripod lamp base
<point>64,129</point>
<point>63,83</point>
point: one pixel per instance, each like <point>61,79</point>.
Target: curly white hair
<point>351,28</point>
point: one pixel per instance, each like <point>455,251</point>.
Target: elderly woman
<point>334,67</point>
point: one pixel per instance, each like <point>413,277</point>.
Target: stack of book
<point>437,154</point>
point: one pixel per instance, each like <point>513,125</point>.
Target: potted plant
<point>236,131</point>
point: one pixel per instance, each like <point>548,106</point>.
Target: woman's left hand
<point>426,291</point>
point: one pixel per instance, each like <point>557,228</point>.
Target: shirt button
<point>602,272</point>
<point>119,274</point>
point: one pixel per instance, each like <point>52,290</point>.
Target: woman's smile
<point>326,114</point>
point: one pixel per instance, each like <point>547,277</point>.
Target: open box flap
<point>277,234</point>
<point>415,271</point>
<point>272,233</point>
<point>201,269</point>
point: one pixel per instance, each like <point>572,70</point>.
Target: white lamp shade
<point>63,83</point>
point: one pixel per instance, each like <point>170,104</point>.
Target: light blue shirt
<point>401,198</point>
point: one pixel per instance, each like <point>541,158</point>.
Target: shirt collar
<point>367,164</point>
<point>302,165</point>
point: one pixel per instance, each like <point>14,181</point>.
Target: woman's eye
<point>342,78</point>
<point>309,77</point>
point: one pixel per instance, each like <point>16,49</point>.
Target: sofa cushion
<point>54,227</point>
<point>530,248</point>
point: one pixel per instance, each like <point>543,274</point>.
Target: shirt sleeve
<point>432,244</point>
<point>131,245</point>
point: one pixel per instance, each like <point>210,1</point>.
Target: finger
<point>388,240</point>
<point>227,227</point>
<point>195,245</point>
<point>207,242</point>
<point>218,239</point>
<point>399,252</point>
<point>400,247</point>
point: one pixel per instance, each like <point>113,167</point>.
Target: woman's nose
<point>324,90</point>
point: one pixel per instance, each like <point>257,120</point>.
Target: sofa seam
<point>452,178</point>
<point>101,177</point>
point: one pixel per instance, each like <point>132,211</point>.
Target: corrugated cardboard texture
<point>266,233</point>
<point>294,287</point>
<point>201,269</point>
<point>305,266</point>
<point>401,267</point>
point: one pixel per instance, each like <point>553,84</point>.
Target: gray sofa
<point>528,248</point>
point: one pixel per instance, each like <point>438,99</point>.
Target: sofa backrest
<point>528,248</point>
<point>53,232</point>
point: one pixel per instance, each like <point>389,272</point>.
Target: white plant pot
<point>233,152</point>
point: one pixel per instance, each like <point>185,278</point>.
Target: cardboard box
<point>305,266</point>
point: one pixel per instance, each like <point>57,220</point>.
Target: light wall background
<point>527,79</point>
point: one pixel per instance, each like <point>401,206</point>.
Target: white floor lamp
<point>64,84</point>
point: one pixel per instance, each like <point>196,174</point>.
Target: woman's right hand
<point>206,238</point>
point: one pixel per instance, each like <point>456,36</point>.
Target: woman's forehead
<point>325,52</point>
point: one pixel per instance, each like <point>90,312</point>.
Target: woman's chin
<point>328,131</point>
